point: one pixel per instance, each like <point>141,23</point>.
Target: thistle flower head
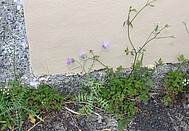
<point>105,44</point>
<point>82,54</point>
<point>69,61</point>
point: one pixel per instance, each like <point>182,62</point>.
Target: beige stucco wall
<point>58,29</point>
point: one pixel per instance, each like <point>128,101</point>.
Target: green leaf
<point>127,51</point>
<point>132,53</point>
<point>181,59</point>
<point>151,5</point>
<point>124,23</point>
<point>167,26</point>
<point>3,122</point>
<point>159,62</point>
<point>133,10</point>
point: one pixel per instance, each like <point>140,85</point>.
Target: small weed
<point>159,62</point>
<point>13,106</point>
<point>91,96</point>
<point>174,82</point>
<point>44,98</point>
<point>18,103</point>
<point>138,53</point>
<point>181,61</point>
<point>120,97</point>
<point>122,93</point>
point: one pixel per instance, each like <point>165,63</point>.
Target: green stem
<point>186,27</point>
<point>147,4</point>
<point>147,41</point>
<point>129,24</point>
<point>96,59</point>
<point>101,63</point>
<point>164,37</point>
<point>82,66</point>
<point>91,66</point>
<point>134,63</point>
<point>128,31</point>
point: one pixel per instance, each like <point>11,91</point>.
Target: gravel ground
<point>14,46</point>
<point>152,116</point>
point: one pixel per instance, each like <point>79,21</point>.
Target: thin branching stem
<point>82,66</point>
<point>97,60</point>
<point>153,34</point>
<point>147,4</point>
<point>101,63</point>
<point>186,27</point>
<point>93,61</point>
<point>128,30</point>
<point>91,66</point>
<point>147,40</point>
<point>139,51</point>
<point>94,58</point>
<point>164,37</point>
<point>129,25</point>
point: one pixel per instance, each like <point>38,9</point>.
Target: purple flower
<point>105,44</point>
<point>82,54</point>
<point>69,61</point>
